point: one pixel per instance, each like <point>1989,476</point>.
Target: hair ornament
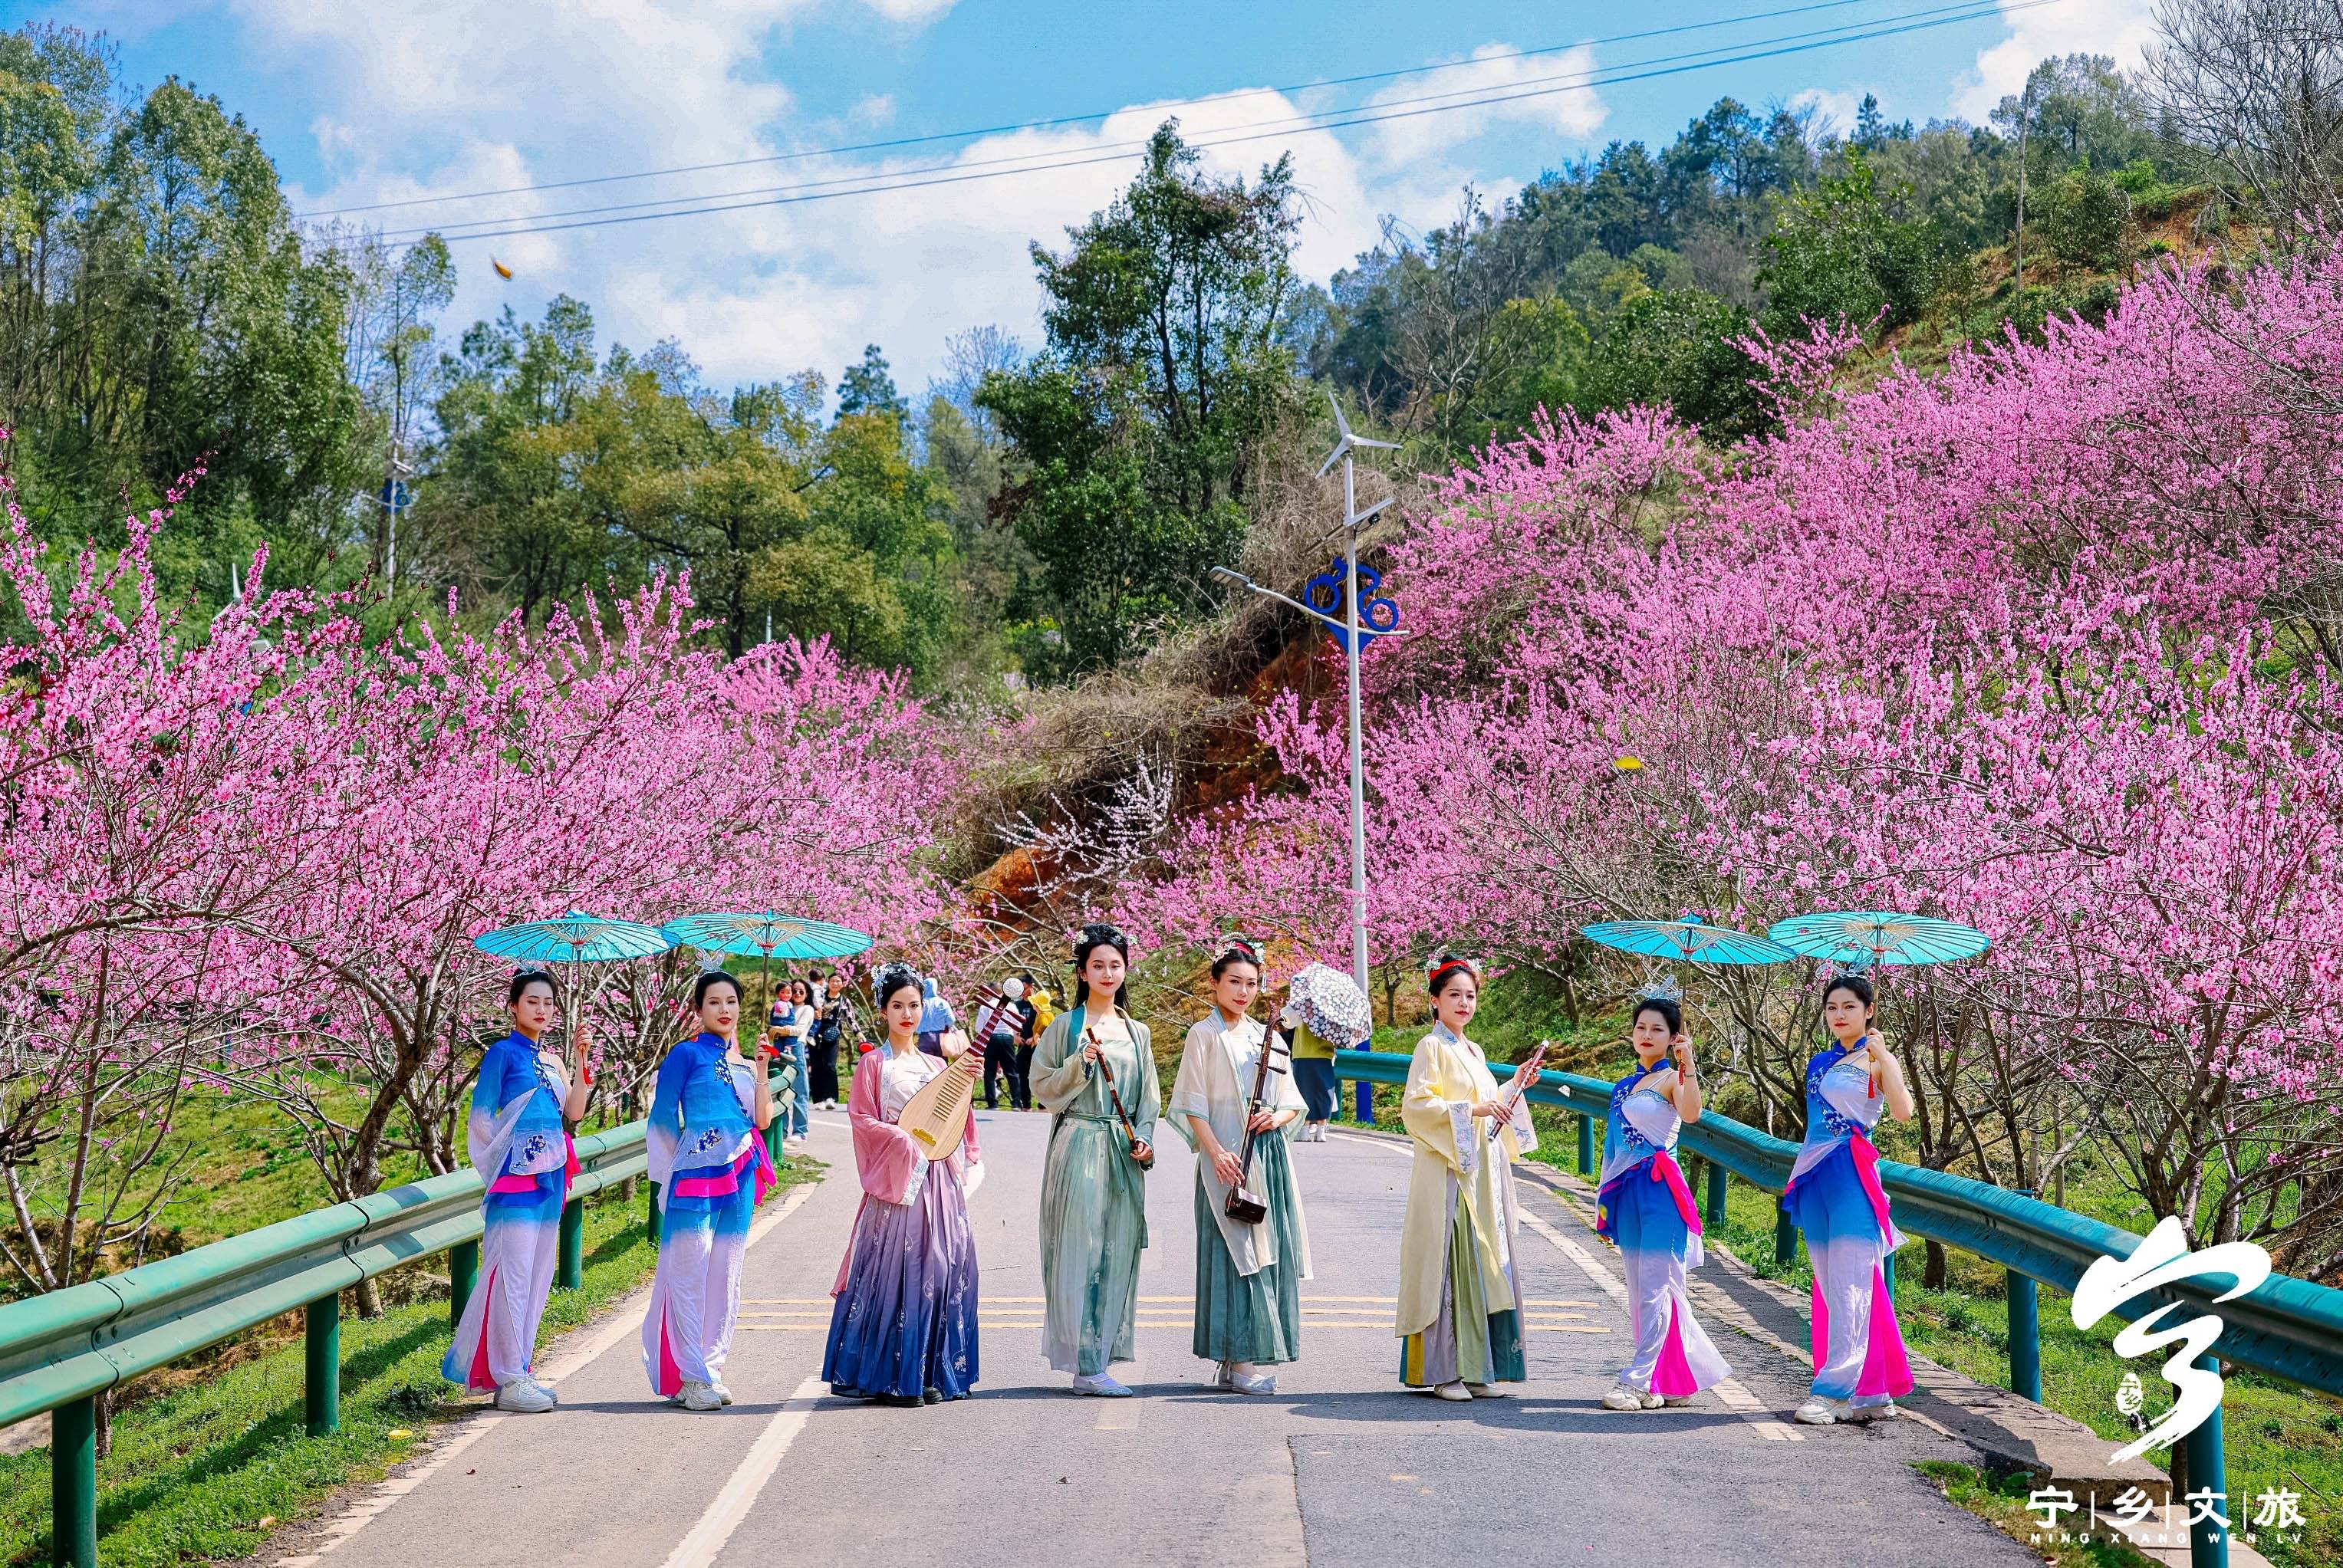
<point>1664,988</point>
<point>1236,945</point>
<point>1830,972</point>
<point>888,973</point>
<point>1098,932</point>
<point>1440,963</point>
<point>711,963</point>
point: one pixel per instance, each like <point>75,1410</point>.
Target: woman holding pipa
<point>1094,1072</point>
<point>1233,1101</point>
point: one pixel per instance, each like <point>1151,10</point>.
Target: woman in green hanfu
<point>1460,1291</point>
<point>1094,1072</point>
<point>1248,1276</point>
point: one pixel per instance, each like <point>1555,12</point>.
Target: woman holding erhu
<point>519,1147</point>
<point>1095,1072</point>
<point>902,1330</point>
<point>1645,1205</point>
<point>1460,1293</point>
<point>1249,1266</point>
<point>1833,1194</point>
<point>712,1170</point>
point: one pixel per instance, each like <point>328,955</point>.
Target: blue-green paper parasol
<point>1689,940</point>
<point>1868,939</point>
<point>574,937</point>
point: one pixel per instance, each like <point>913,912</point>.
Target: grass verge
<point>2002,1502</point>
<point>210,1468</point>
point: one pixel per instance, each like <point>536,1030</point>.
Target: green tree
<point>1165,367</point>
<point>1680,347</point>
<point>1836,255</point>
<point>869,387</point>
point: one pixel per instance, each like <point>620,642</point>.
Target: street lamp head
<point>1230,575</point>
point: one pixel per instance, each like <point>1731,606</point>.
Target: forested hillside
<point>1040,511</point>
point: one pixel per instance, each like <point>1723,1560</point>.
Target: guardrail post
<point>2025,1338</point>
<point>570,1262</point>
<point>463,1274</point>
<point>2209,1471</point>
<point>321,1397</point>
<point>651,1214</point>
<point>1785,1236</point>
<point>1366,1091</point>
<point>1716,1215</point>
<point>73,1484</point>
<point>1888,1268</point>
<point>1585,1145</point>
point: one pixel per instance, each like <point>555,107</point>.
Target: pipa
<point>937,1116</point>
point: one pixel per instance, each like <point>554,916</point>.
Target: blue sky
<point>395,99</point>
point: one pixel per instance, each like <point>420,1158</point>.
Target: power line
<point>1469,97</point>
<point>895,143</point>
<point>883,184</point>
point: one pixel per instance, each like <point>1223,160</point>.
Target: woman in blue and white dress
<point>1645,1205</point>
<point>712,1170</point>
<point>519,1145</point>
<point>1835,1195</point>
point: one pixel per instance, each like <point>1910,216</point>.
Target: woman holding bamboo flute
<point>1460,1292</point>
<point>1248,1270</point>
<point>1094,1072</point>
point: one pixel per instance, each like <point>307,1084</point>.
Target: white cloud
<point>1541,93</point>
<point>440,98</point>
<point>2119,29</point>
<point>1834,111</point>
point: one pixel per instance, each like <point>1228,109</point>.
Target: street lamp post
<point>1347,630</point>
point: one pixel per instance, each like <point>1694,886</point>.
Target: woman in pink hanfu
<point>519,1145</point>
<point>1645,1207</point>
<point>902,1326</point>
<point>712,1170</point>
<point>1833,1194</point>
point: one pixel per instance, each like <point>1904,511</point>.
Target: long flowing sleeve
<point>1151,1084</point>
<point>664,1130</point>
<point>885,1157</point>
<point>1436,1123</point>
<point>488,1099</point>
<point>1191,1093</point>
<point>1058,1075</point>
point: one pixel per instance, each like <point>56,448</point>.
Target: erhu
<point>1090,1037</point>
<point>1243,1205</point>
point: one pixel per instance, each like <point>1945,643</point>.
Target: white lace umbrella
<point>1332,1006</point>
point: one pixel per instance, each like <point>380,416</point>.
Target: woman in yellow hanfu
<point>1460,1291</point>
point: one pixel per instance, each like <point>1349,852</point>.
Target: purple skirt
<point>906,1322</point>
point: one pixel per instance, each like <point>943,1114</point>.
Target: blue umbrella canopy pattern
<point>766,935</point>
<point>1690,940</point>
<point>573,937</point>
<point>1862,938</point>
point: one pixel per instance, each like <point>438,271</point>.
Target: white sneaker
<point>1677,1401</point>
<point>721,1391</point>
<point>1454,1392</point>
<point>1102,1386</point>
<point>1621,1397</point>
<point>1817,1412</point>
<point>1652,1400</point>
<point>700,1396</point>
<point>1885,1410</point>
<point>524,1397</point>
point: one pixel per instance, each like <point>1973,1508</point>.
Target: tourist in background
<point>833,1016</point>
<point>803,1018</point>
<point>1095,1067</point>
<point>902,1328</point>
<point>1038,1013</point>
<point>936,1018</point>
<point>1644,1204</point>
<point>1834,1196</point>
<point>998,1025</point>
<point>1460,1288</point>
<point>1313,1075</point>
<point>1249,1274</point>
<point>519,1145</point>
<point>711,1171</point>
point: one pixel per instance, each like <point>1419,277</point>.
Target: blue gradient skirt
<point>906,1322</point>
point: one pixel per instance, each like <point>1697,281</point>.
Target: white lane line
<point>1736,1398</point>
<point>626,1319</point>
<point>740,1494</point>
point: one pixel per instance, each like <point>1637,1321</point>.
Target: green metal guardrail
<point>2291,1328</point>
<point>60,1351</point>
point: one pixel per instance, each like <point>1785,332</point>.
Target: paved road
<point>1341,1467</point>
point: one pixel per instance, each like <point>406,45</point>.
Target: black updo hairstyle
<point>1088,941</point>
<point>524,978</point>
<point>1671,1013</point>
<point>1237,950</point>
<point>1444,970</point>
<point>891,980</point>
<point>707,980</point>
<point>1858,984</point>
